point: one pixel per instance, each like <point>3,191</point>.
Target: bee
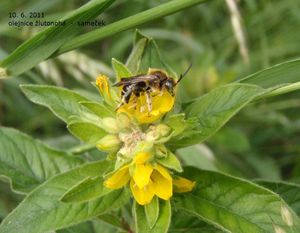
<point>155,81</point>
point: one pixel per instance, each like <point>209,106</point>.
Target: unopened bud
<point>157,132</point>
<point>109,143</point>
<point>110,125</point>
<point>161,151</point>
<point>123,120</point>
<point>163,130</point>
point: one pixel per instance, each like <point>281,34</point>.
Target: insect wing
<point>135,80</point>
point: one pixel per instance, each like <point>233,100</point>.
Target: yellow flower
<point>102,84</point>
<point>162,102</point>
<point>182,185</point>
<point>106,91</point>
<point>119,178</point>
<point>146,181</point>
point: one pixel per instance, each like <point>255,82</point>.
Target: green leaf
<point>105,227</point>
<point>28,162</point>
<point>162,223</point>
<point>177,122</point>
<point>152,212</point>
<point>287,72</point>
<point>171,161</point>
<point>64,103</point>
<point>120,69</point>
<point>85,227</point>
<point>134,59</point>
<point>184,222</point>
<point>290,192</point>
<point>45,43</point>
<point>236,205</point>
<point>232,139</point>
<point>86,131</point>
<point>214,109</point>
<point>100,109</point>
<point>112,220</point>
<point>199,156</point>
<point>42,211</point>
<point>127,23</point>
<point>88,189</point>
<point>152,59</point>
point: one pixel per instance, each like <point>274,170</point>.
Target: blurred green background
<point>261,142</point>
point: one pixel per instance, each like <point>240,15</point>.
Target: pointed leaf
<point>152,59</point>
<point>171,161</point>
<point>86,131</point>
<point>290,192</point>
<point>62,102</point>
<point>28,162</point>
<point>120,69</point>
<point>152,212</point>
<point>283,73</point>
<point>42,211</point>
<point>236,205</point>
<point>86,227</point>
<point>162,223</point>
<point>134,60</point>
<point>184,222</point>
<point>87,190</point>
<point>214,109</point>
<point>99,109</point>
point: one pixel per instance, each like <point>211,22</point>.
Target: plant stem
<point>127,23</point>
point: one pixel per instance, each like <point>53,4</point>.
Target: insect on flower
<point>156,81</point>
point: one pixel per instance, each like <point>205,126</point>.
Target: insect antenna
<point>184,74</point>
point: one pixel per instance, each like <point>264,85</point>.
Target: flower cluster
<point>136,142</point>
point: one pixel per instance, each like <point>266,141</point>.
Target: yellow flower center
<point>138,107</point>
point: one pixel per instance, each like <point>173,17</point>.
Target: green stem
<point>127,23</point>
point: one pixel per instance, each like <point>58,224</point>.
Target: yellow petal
<point>142,157</point>
<point>102,83</point>
<point>142,196</point>
<point>163,103</point>
<point>142,174</point>
<point>182,185</point>
<point>163,171</point>
<point>137,107</point>
<point>119,178</point>
<point>161,186</point>
<point>106,91</point>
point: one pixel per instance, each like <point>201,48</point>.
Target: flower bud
<point>161,151</point>
<point>123,120</point>
<point>183,185</point>
<point>110,125</point>
<point>157,132</point>
<point>163,129</point>
<point>109,143</point>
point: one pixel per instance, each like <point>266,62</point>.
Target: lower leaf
<point>290,192</point>
<point>236,205</point>
<point>42,210</point>
<point>28,162</point>
<point>162,223</point>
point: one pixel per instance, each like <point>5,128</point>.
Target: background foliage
<point>260,143</point>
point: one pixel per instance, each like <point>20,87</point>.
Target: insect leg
<point>126,93</point>
<point>149,100</point>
